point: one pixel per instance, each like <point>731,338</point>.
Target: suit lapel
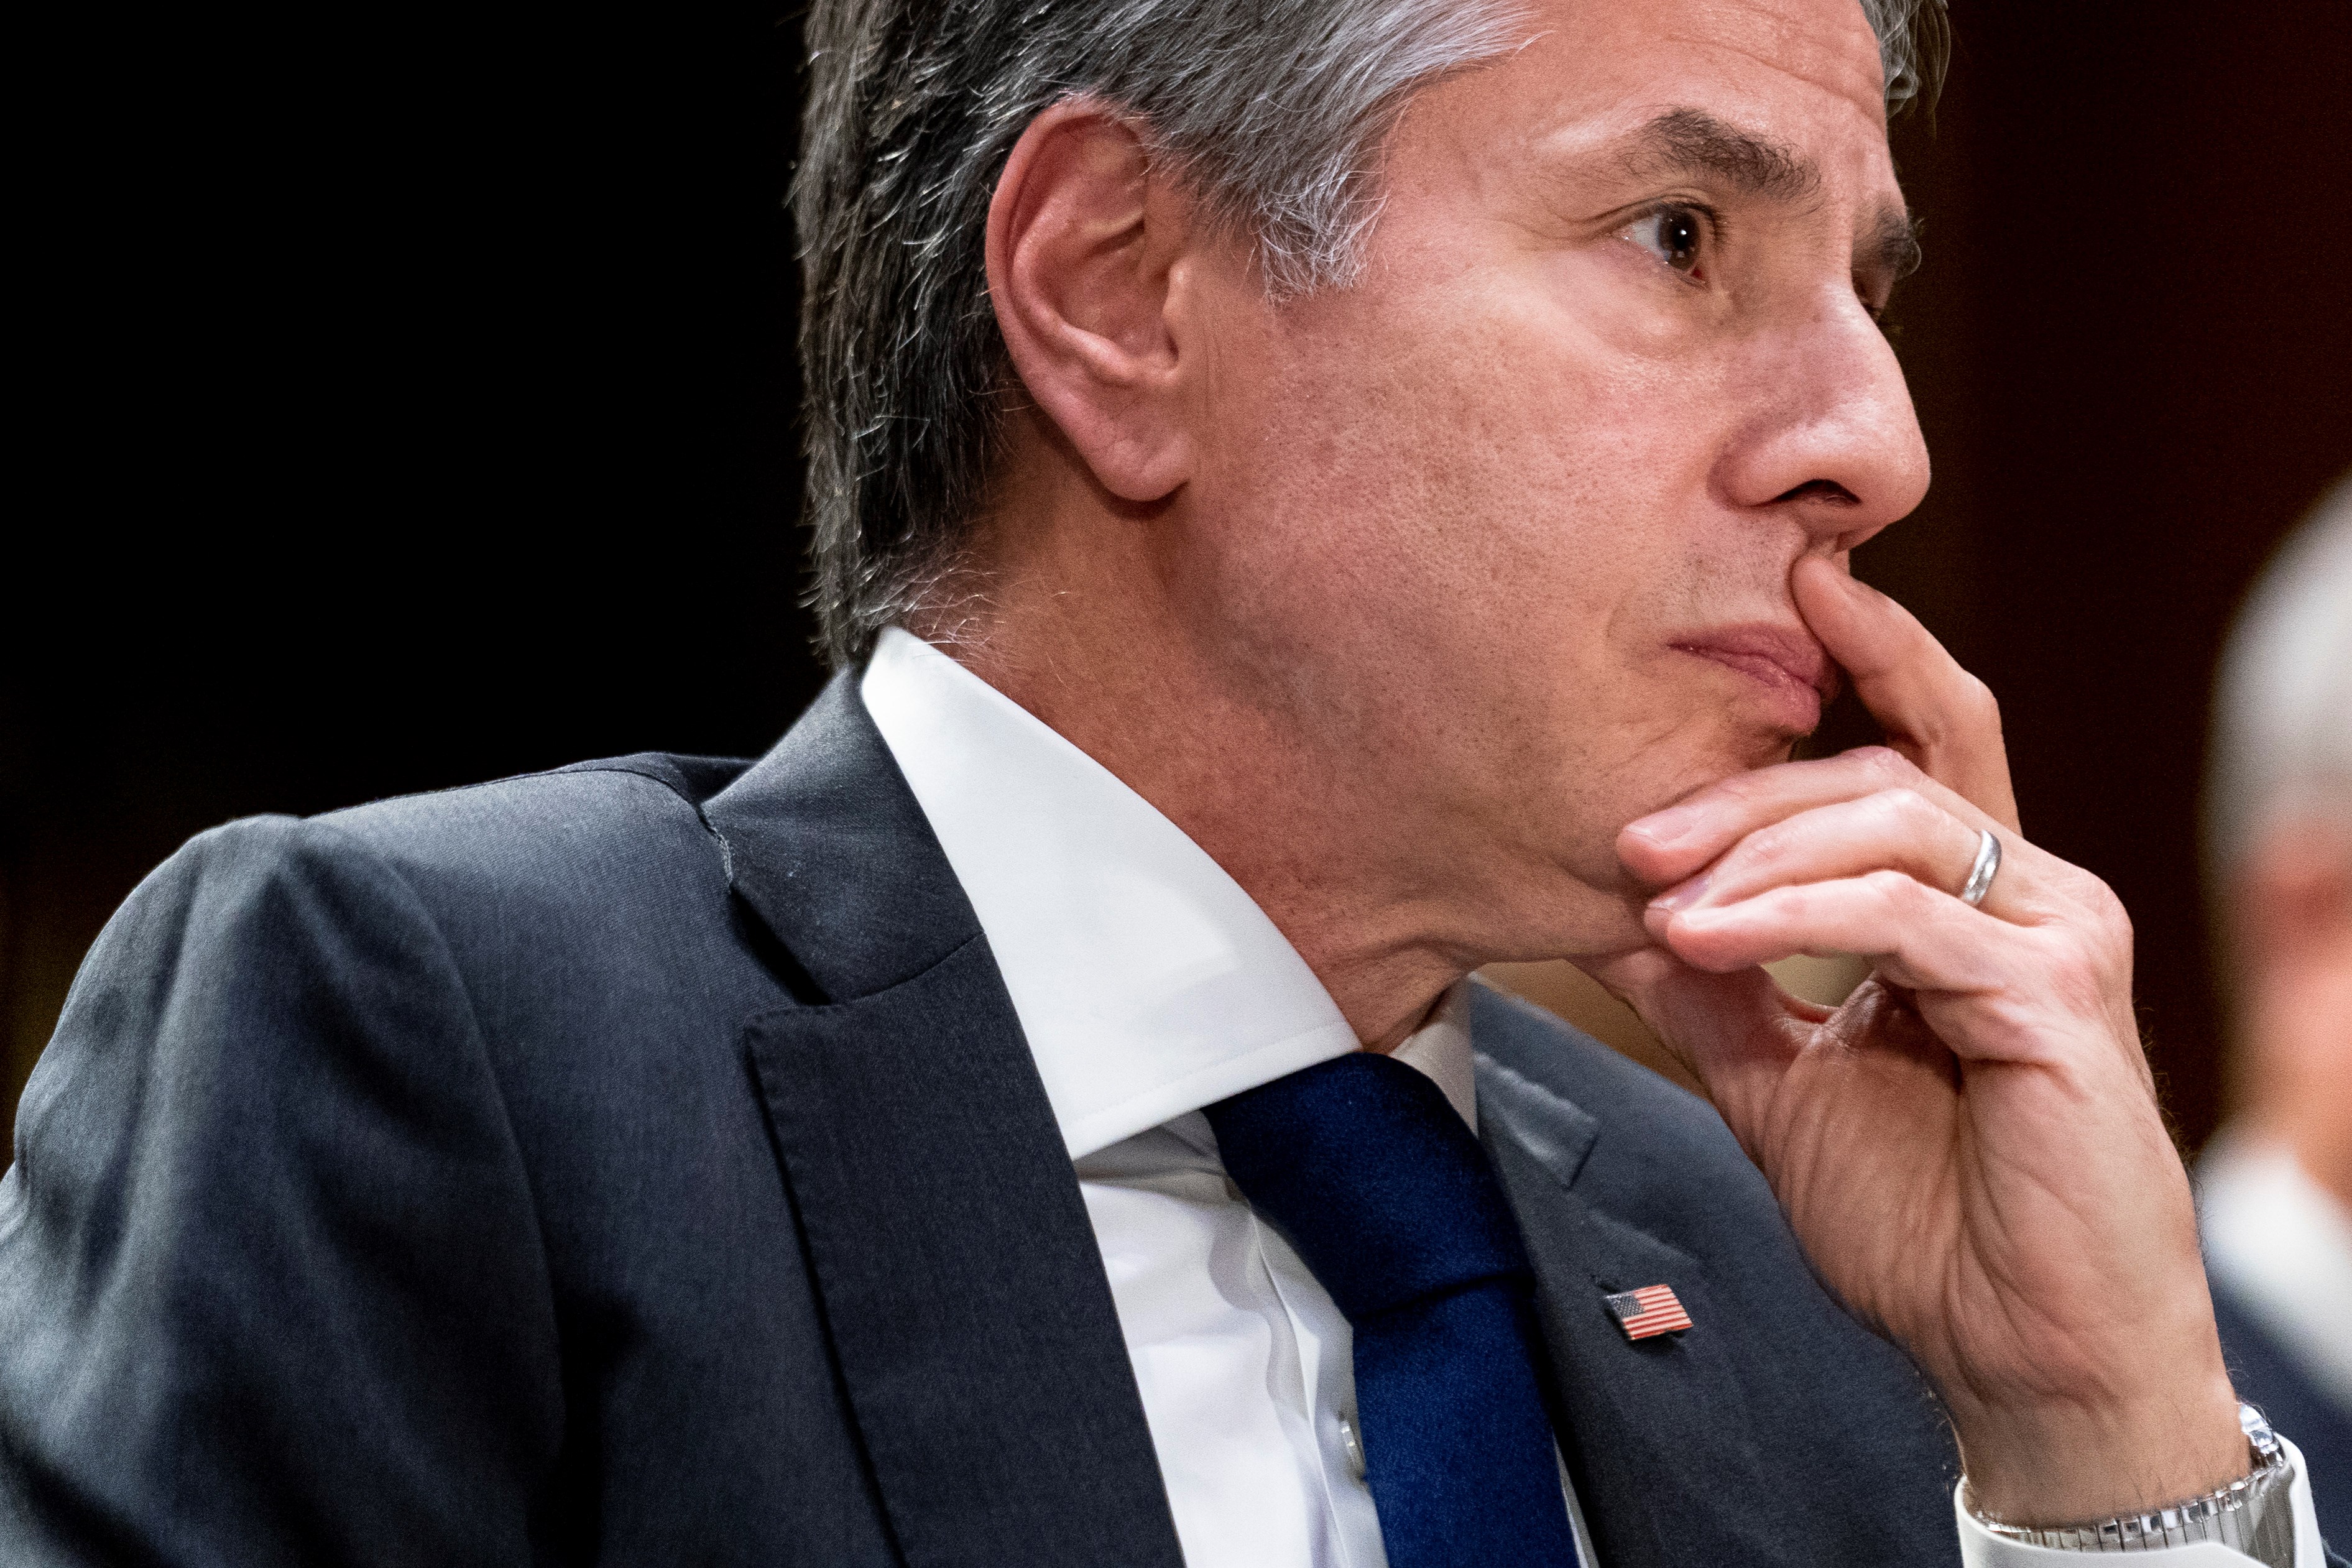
<point>962,1286</point>
<point>1656,1431</point>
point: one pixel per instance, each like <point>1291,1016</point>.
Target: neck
<point>1079,618</point>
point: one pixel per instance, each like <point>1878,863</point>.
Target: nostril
<point>1819,489</point>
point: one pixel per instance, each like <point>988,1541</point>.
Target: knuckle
<point>1760,851</point>
<point>1893,769</point>
<point>1878,762</point>
<point>2101,913</point>
<point>1910,809</point>
<point>2109,918</point>
<point>1977,703</point>
<point>1738,786</point>
<point>1896,890</point>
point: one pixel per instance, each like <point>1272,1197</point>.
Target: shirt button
<point>1354,1446</point>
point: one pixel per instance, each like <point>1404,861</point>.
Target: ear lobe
<point>1083,241</point>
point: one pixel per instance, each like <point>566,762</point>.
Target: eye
<point>1676,236</point>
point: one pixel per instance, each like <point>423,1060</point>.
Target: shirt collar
<point>1440,1049</point>
<point>2278,1237</point>
<point>1148,981</point>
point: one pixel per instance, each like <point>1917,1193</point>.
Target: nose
<point>1835,445</point>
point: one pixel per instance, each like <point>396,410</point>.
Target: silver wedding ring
<point>1980,874</point>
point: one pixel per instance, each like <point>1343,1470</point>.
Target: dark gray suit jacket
<point>2272,1376</point>
<point>642,1162</point>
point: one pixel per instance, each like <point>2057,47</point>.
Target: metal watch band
<point>2249,1515</point>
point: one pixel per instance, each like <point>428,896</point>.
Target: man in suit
<point>2275,1187</point>
<point>1308,501</point>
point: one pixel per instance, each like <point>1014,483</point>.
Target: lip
<point>1791,668</point>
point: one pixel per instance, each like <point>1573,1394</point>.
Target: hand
<point>1969,1149</point>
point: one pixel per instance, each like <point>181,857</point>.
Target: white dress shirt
<point>2284,1244</point>
<point>1150,986</point>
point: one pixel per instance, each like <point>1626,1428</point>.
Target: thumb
<point>1736,1032</point>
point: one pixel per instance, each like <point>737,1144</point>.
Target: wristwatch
<point>2252,1514</point>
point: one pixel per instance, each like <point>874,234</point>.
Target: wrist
<point>2053,1462</point>
<point>2253,1516</point>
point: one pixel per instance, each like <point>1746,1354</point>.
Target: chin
<point>1745,740</point>
<point>1733,744</point>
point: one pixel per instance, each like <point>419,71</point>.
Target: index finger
<point>1935,713</point>
<point>1669,845</point>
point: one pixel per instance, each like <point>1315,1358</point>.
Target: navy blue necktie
<point>1388,1197</point>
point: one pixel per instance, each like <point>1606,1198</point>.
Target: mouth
<point>1790,669</point>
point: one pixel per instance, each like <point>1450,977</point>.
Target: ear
<point>1083,242</point>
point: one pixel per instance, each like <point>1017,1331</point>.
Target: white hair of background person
<point>2283,709</point>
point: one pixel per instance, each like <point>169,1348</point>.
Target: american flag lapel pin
<point>1649,1311</point>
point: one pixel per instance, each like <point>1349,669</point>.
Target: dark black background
<point>411,401</point>
<point>414,405</point>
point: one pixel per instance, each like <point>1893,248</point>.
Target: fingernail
<point>1667,825</point>
<point>1677,900</point>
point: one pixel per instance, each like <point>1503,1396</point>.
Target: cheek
<point>1455,526</point>
<point>1449,459</point>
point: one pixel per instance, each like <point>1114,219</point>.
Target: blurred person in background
<point>2275,1186</point>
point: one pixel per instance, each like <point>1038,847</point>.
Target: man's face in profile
<point>1515,514</point>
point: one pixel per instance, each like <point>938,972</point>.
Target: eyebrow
<point>1693,141</point>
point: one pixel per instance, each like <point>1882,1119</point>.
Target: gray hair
<point>2282,705</point>
<point>1274,109</point>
